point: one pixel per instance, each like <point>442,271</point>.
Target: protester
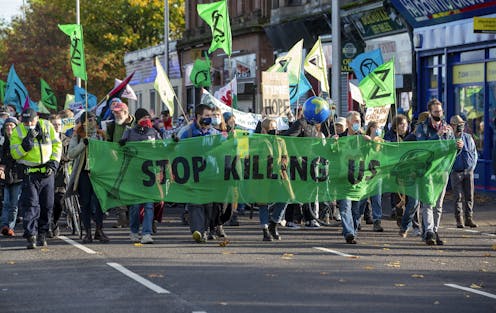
<point>36,146</point>
<point>462,174</point>
<point>9,170</point>
<point>142,131</point>
<point>79,181</point>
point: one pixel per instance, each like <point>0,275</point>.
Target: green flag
<point>200,75</point>
<point>3,87</point>
<point>216,15</point>
<point>265,169</point>
<point>47,96</point>
<point>75,32</point>
<point>42,108</point>
<point>378,87</point>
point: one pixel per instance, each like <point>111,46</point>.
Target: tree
<point>111,28</point>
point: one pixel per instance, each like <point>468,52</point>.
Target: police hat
<point>28,115</point>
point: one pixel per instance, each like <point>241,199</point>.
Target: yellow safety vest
<point>49,148</point>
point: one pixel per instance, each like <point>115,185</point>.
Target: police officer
<point>36,146</point>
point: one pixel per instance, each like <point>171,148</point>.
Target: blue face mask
<point>206,121</point>
<point>355,127</point>
<point>215,121</point>
<point>378,131</point>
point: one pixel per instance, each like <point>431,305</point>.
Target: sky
<point>9,8</point>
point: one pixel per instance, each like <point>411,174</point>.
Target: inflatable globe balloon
<point>316,110</point>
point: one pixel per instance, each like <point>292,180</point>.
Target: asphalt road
<point>308,271</point>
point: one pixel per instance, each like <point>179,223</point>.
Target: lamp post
<point>336,55</point>
<point>78,21</point>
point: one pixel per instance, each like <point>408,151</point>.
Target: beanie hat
<point>227,116</point>
<point>140,113</point>
<point>11,120</point>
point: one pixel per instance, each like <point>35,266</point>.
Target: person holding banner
<point>200,215</point>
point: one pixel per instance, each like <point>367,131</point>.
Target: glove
<point>51,167</point>
<point>86,141</point>
<point>175,138</point>
<point>28,142</point>
<point>122,142</point>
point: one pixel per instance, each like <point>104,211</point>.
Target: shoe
<point>369,221</point>
<point>350,239</point>
<point>439,242</point>
<point>266,235</point>
<point>337,216</point>
<point>312,224</point>
<point>31,242</point>
<point>50,234</point>
<point>87,237</point>
<point>234,220</point>
<point>5,230</point>
<point>378,227</point>
<point>273,231</point>
<point>198,237</point>
<point>403,233</point>
<point>470,223</point>
<point>134,237</point>
<point>220,232</point>
<point>416,232</point>
<point>154,226</point>
<point>147,239</point>
<point>97,235</point>
<point>101,235</point>
<point>292,225</point>
<point>459,222</point>
<point>327,218</point>
<point>41,240</point>
<point>429,239</point>
<point>10,233</point>
<point>56,230</point>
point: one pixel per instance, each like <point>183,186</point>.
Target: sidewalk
<point>484,209</point>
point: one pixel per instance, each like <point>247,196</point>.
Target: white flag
<point>229,93</point>
<point>164,87</point>
<point>128,92</point>
<point>315,65</point>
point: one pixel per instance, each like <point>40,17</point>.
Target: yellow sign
<point>468,73</point>
<point>484,25</point>
<point>491,72</point>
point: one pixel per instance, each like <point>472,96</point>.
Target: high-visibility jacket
<point>47,148</point>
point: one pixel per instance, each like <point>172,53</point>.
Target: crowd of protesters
<point>65,172</point>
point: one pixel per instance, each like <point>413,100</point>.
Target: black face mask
<point>206,121</point>
<point>436,118</point>
<point>459,128</point>
<point>272,132</point>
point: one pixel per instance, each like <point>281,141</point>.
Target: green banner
<point>3,87</point>
<point>378,87</point>
<point>254,168</point>
<point>75,31</point>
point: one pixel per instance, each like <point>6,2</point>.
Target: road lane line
<point>145,282</point>
<point>472,231</point>
<point>482,293</point>
<point>334,252</point>
<point>77,245</point>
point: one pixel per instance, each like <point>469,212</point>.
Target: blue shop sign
<point>421,13</point>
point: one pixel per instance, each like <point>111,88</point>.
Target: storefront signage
<point>349,51</point>
<point>484,25</point>
<point>376,22</point>
<point>430,12</point>
<point>242,67</point>
<point>491,72</point>
<point>468,73</point>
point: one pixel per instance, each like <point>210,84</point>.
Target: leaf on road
<point>224,243</point>
<point>11,262</point>
<point>399,285</point>
<point>45,249</point>
<point>436,302</point>
<point>386,249</point>
<point>475,286</point>
<point>493,247</point>
<point>395,264</point>
<point>138,244</point>
<point>230,252</point>
<point>324,273</point>
<point>483,270</point>
<point>417,276</point>
<point>155,275</point>
<point>287,256</point>
<point>488,255</point>
<point>354,257</point>
<point>368,268</point>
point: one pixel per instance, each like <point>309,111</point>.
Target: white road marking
<point>471,231</point>
<point>199,312</point>
<point>139,279</point>
<point>334,252</point>
<point>482,293</point>
<point>77,245</point>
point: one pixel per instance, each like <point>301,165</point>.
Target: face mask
<point>145,123</point>
<point>32,126</point>
<point>459,128</point>
<point>206,121</point>
<point>378,132</point>
<point>215,121</point>
<point>436,118</point>
<point>272,132</point>
<point>355,127</point>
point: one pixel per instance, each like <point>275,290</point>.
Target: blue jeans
<point>346,217</point>
<point>376,202</point>
<point>11,195</point>
<point>276,211</point>
<point>357,209</point>
<point>147,218</point>
<point>410,210</point>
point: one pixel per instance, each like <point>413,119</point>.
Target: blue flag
<point>296,91</point>
<point>365,63</point>
<point>80,97</point>
<point>15,92</point>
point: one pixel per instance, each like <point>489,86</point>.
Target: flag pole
<point>78,22</point>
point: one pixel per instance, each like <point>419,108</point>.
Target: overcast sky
<point>9,8</point>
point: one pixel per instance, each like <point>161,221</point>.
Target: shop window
<point>492,53</point>
<point>470,56</point>
<point>433,77</point>
<point>153,99</point>
<point>469,101</point>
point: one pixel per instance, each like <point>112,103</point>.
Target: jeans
<point>346,217</point>
<point>463,188</point>
<point>274,212</point>
<point>431,215</point>
<point>134,221</point>
<point>357,209</point>
<point>376,202</point>
<point>410,210</point>
<point>11,194</point>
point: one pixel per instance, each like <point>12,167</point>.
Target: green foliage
<point>111,28</point>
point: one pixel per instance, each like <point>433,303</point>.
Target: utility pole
<point>78,21</point>
<point>336,55</point>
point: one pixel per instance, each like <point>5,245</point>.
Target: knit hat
<point>140,113</point>
<point>11,120</point>
<point>227,116</point>
<point>90,115</point>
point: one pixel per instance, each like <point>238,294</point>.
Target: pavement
<point>307,271</point>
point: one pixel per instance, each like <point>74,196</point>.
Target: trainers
<point>459,222</point>
<point>5,230</point>
<point>31,242</point>
<point>378,227</point>
<point>42,242</point>
<point>292,225</point>
<point>147,239</point>
<point>56,230</point>
<point>416,232</point>
<point>312,224</point>
<point>429,239</point>
<point>134,237</point>
<point>273,231</point>
<point>350,239</point>
<point>198,237</point>
<point>220,232</point>
<point>403,233</point>
<point>266,235</point>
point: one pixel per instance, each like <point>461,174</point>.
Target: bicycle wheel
<point>72,206</point>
